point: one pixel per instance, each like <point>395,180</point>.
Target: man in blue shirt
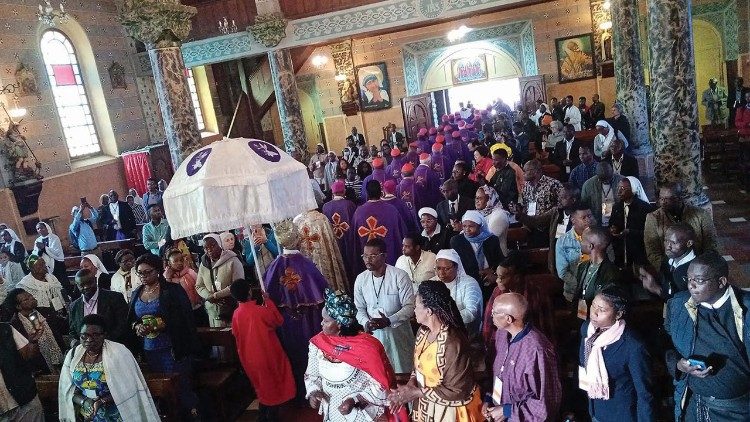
<point>81,231</point>
<point>155,231</point>
<point>586,170</point>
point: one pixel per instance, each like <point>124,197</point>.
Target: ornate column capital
<point>269,29</point>
<point>157,23</point>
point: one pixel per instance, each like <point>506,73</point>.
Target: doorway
<point>482,94</point>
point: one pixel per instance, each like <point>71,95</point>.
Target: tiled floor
<point>731,210</point>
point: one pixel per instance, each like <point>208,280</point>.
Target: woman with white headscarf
<point>487,202</point>
<point>637,188</point>
<point>13,245</point>
<point>464,289</point>
<point>479,250</point>
<point>218,269</point>
<point>92,263</point>
<point>606,134</point>
<point>49,247</point>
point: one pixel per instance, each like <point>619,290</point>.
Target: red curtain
<point>137,170</point>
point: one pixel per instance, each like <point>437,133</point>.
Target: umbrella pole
<point>234,116</point>
<point>257,268</point>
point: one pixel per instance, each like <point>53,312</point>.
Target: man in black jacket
<point>566,154</point>
<point>596,273</point>
<point>622,163</point>
<point>117,219</point>
<point>626,226</point>
<point>110,305</point>
<point>504,179</point>
<point>454,206</point>
<point>436,236</point>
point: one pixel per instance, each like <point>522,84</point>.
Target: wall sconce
<point>226,28</point>
<point>340,77</point>
<point>47,14</point>
<point>16,112</point>
<point>319,61</point>
<point>459,33</point>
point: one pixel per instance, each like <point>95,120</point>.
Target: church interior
<point>101,95</point>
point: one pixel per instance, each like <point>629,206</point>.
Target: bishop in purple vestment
<point>442,165</point>
<point>377,218</point>
<point>405,189</point>
<point>426,184</point>
<point>296,285</point>
<point>408,215</point>
<point>379,173</point>
<point>340,213</point>
<point>393,171</point>
<point>423,143</point>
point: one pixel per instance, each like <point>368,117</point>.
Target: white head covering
<point>213,236</point>
<point>49,230</point>
<point>225,236</point>
<point>452,255</point>
<point>100,268</point>
<point>637,188</point>
<point>13,234</point>
<point>74,210</point>
<point>474,216</point>
<point>428,211</point>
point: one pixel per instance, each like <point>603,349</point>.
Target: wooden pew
<point>163,388</point>
<point>219,377</point>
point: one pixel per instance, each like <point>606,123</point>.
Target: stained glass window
<point>194,99</point>
<point>70,95</point>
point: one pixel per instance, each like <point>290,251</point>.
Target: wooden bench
<point>517,237</point>
<point>163,388</point>
<point>218,376</point>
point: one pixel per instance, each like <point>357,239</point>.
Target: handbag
<point>226,305</point>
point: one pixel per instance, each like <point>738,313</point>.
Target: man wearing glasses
<point>384,298</point>
<point>93,300</point>
<point>708,325</point>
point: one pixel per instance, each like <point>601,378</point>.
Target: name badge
<point>56,303</point>
<point>583,310</point>
<point>531,210</point>
<point>567,169</point>
<point>560,231</point>
<point>497,391</point>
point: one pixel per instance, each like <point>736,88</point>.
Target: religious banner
<point>469,69</point>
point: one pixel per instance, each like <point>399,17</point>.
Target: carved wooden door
<point>532,89</point>
<point>417,111</point>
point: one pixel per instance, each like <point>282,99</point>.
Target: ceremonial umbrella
<point>234,183</point>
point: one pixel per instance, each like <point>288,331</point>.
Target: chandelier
<point>47,14</point>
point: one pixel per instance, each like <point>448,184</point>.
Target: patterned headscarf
<point>31,260</point>
<point>492,200</point>
<point>340,307</point>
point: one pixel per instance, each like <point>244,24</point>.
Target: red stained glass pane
<point>63,74</point>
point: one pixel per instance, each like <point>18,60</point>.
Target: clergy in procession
<point>442,165</point>
<point>408,215</point>
<point>405,189</point>
<point>378,219</point>
<point>384,297</point>
<point>340,212</point>
<point>378,173</point>
<point>426,184</point>
<point>398,159</point>
<point>296,286</point>
<point>318,242</point>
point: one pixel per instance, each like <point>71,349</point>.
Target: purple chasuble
<point>405,192</point>
<point>426,187</point>
<point>442,165</point>
<point>380,219</point>
<point>408,216</point>
<point>377,174</point>
<point>393,171</point>
<point>423,144</point>
<point>296,285</point>
<point>340,213</point>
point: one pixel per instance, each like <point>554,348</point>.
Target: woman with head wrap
<point>47,291</point>
<point>464,290</point>
<point>92,263</point>
<point>479,250</point>
<point>218,269</point>
<point>13,245</point>
<point>343,351</point>
<point>442,386</point>
<point>49,248</point>
<point>254,326</point>
<point>10,273</point>
<point>487,202</point>
<point>606,134</point>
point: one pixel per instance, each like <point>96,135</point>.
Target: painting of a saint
<point>374,87</point>
<point>575,59</point>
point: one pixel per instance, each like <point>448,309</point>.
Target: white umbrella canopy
<point>233,183</point>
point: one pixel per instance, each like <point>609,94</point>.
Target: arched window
<point>72,103</point>
<point>194,99</point>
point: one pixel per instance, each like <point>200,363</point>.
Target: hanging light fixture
<point>458,33</point>
<point>47,14</point>
<point>319,61</point>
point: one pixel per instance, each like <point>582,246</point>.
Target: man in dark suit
<point>355,139</point>
<point>395,138</point>
<point>466,186</point>
<point>626,226</point>
<point>598,272</point>
<point>453,207</point>
<point>117,219</point>
<point>736,99</point>
<point>566,155</point>
<point>110,305</point>
<point>436,236</point>
<point>622,163</point>
<point>679,249</point>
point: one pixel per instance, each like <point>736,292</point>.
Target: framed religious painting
<point>469,69</point>
<point>575,58</point>
<point>374,87</point>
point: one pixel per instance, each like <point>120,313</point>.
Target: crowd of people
<point>403,297</point>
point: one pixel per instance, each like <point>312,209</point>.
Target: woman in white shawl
<point>604,138</point>
<point>44,286</point>
<point>10,273</point>
<point>101,380</point>
<point>13,245</point>
<point>49,247</point>
<point>92,263</point>
<point>487,202</point>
